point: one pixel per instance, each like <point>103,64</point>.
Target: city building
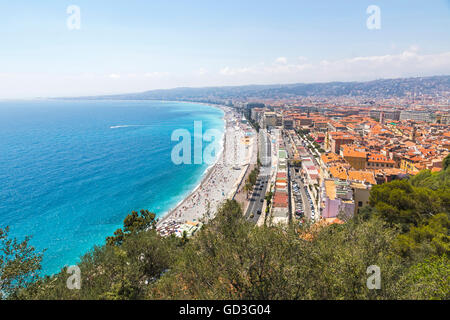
<point>269,120</point>
<point>337,199</point>
<point>424,116</point>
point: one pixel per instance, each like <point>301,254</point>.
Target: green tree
<point>421,207</point>
<point>398,202</point>
<point>446,163</point>
<point>133,223</point>
<point>113,272</point>
<point>429,238</point>
<point>248,187</point>
<point>231,259</point>
<point>19,264</point>
<point>404,231</point>
<point>428,279</point>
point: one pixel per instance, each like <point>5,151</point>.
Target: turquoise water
<point>70,171</point>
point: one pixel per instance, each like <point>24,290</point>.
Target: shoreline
<point>219,181</point>
<point>206,175</point>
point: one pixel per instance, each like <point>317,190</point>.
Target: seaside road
<point>260,189</point>
<point>257,200</point>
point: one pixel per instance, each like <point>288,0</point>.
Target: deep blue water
<point>68,179</point>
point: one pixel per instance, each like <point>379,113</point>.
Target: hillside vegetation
<point>404,231</point>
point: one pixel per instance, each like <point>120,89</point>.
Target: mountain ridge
<point>398,87</point>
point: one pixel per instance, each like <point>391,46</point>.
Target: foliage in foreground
<point>420,208</point>
<point>19,264</point>
<point>404,231</point>
<point>231,259</point>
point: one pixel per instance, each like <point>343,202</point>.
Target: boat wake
<point>128,126</point>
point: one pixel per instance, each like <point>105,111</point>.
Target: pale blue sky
<point>136,45</point>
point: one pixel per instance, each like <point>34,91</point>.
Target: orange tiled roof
<point>338,172</point>
<point>362,176</point>
<point>330,157</point>
<point>373,157</point>
<point>350,151</point>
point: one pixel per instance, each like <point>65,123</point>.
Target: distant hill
<point>377,88</point>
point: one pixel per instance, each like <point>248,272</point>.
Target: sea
<point>71,170</point>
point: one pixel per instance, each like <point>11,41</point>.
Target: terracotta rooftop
<point>362,176</point>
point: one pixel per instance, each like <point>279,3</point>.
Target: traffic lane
<point>258,196</point>
<point>266,150</point>
<point>257,201</point>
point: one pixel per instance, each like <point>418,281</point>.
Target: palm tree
<point>248,187</point>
